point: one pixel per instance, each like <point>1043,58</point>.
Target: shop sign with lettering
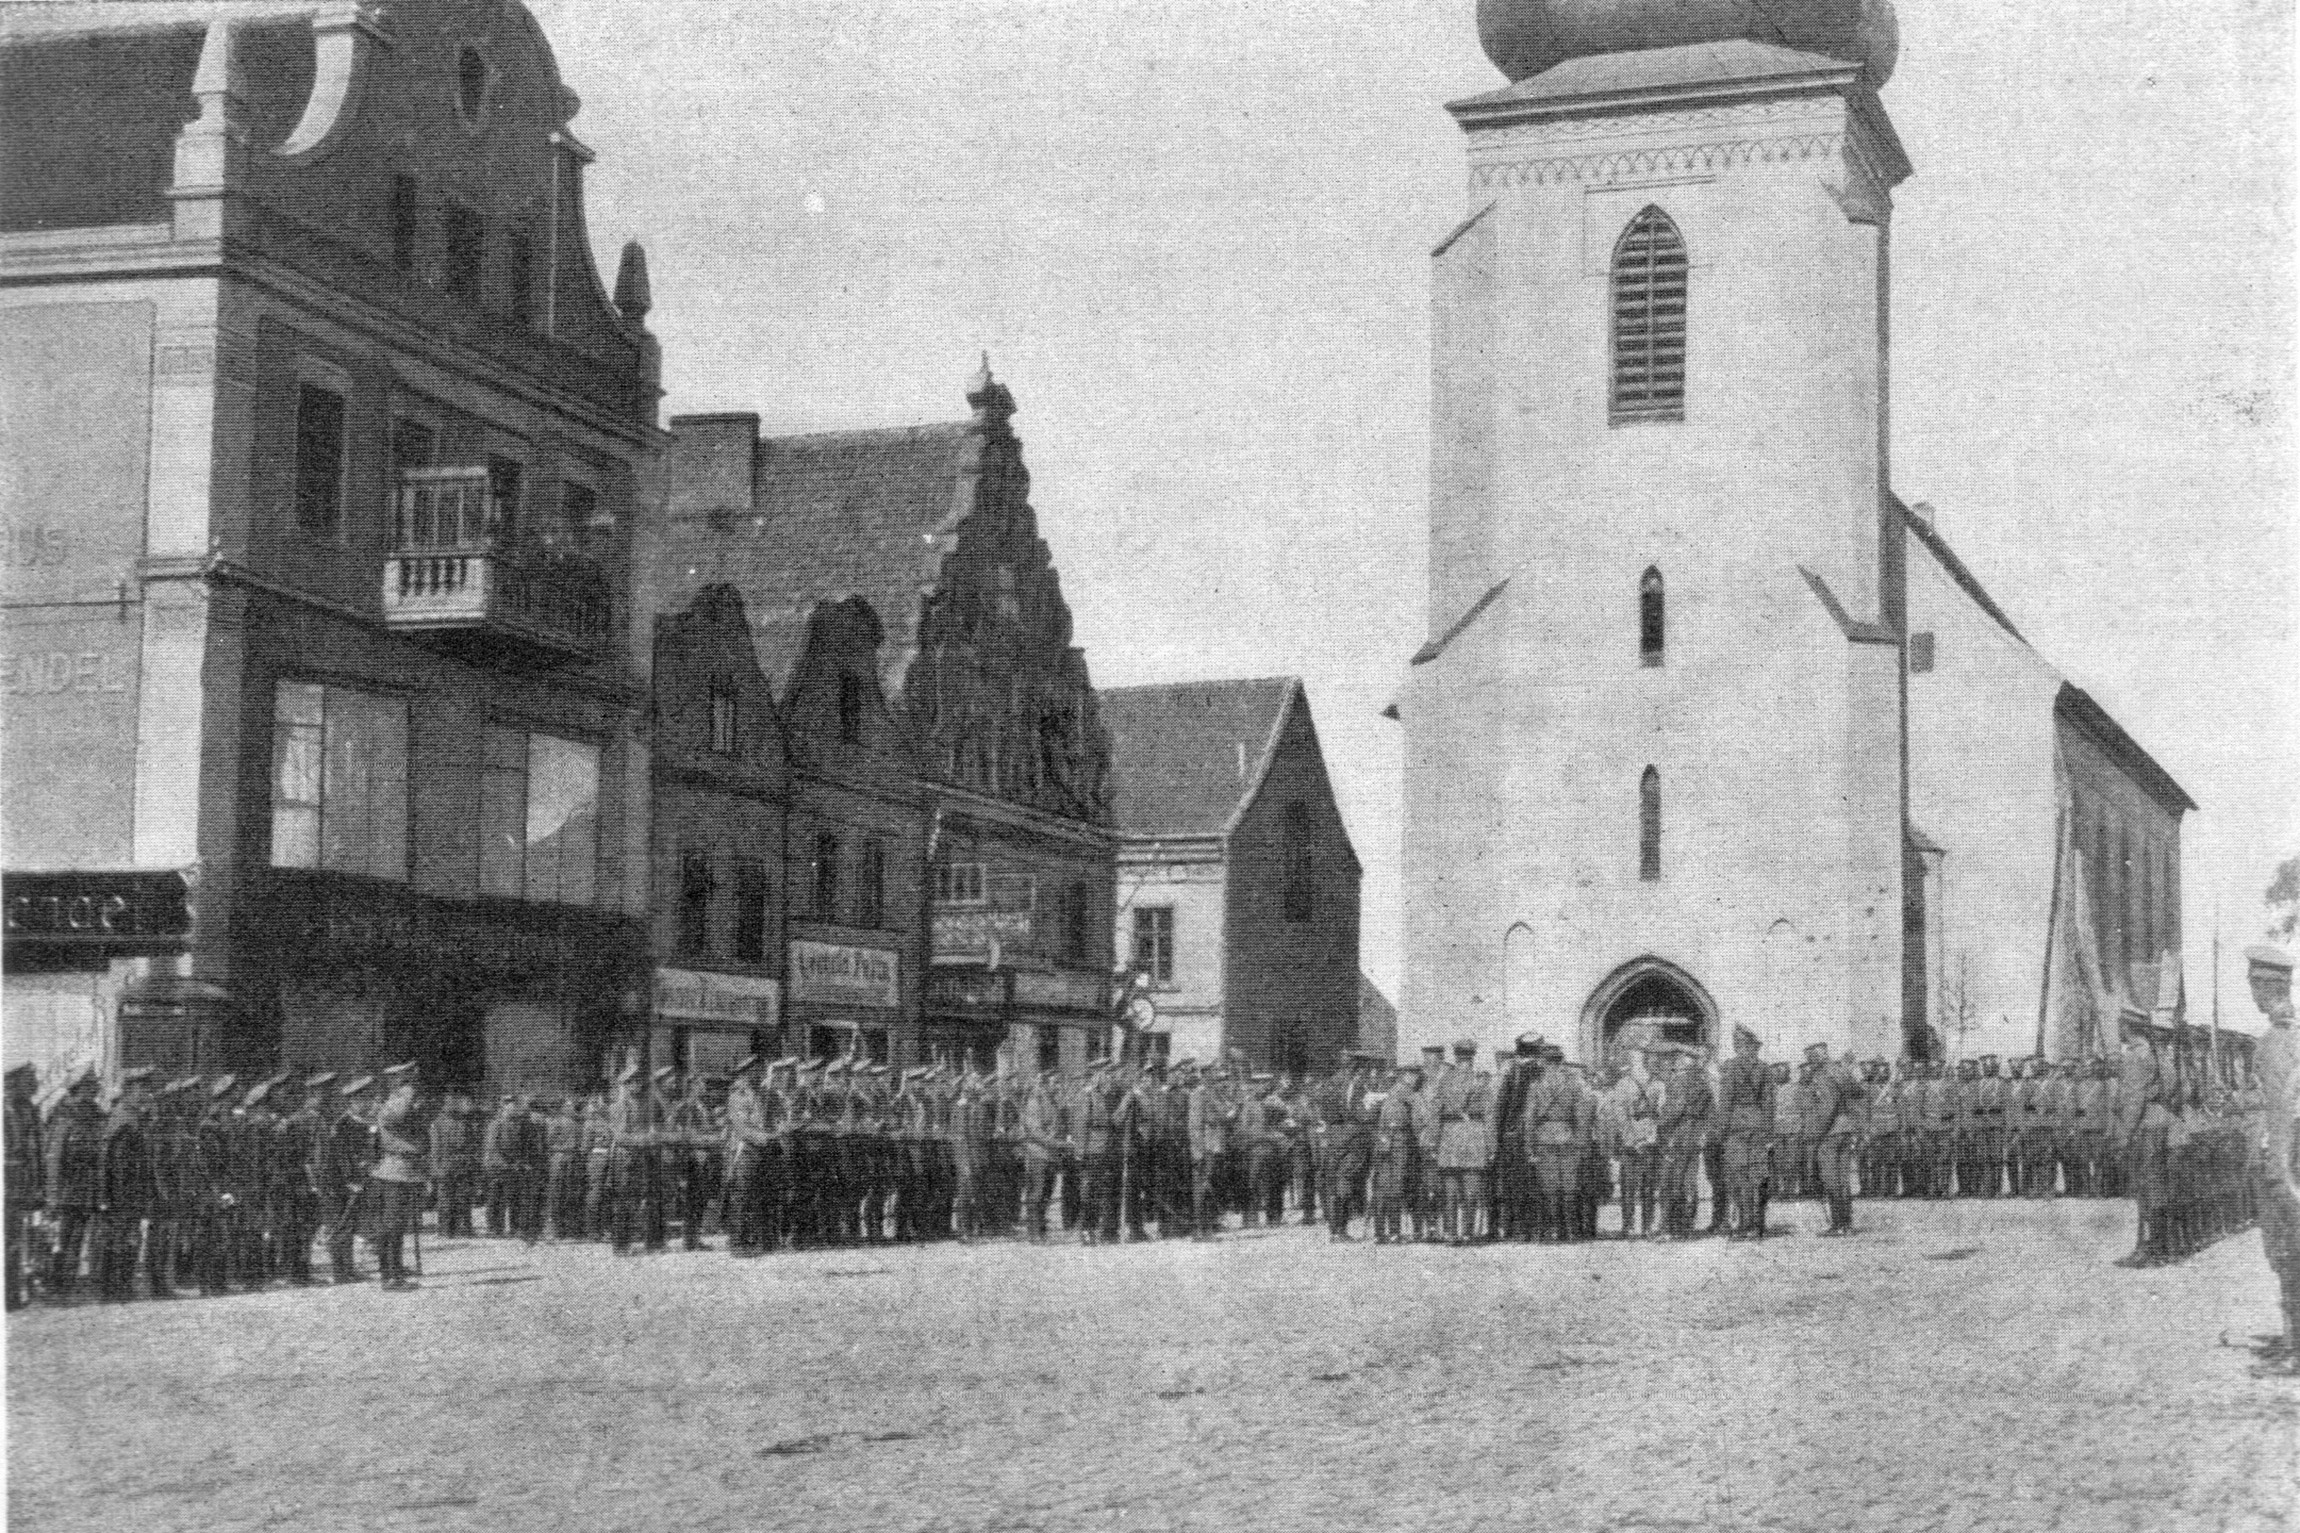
<point>732,1000</point>
<point>1063,990</point>
<point>966,989</point>
<point>973,933</point>
<point>95,909</point>
<point>830,971</point>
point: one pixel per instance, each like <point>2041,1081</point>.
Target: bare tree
<point>1959,1011</point>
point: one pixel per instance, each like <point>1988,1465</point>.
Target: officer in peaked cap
<point>2276,1060</point>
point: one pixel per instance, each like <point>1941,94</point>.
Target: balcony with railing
<point>457,565</point>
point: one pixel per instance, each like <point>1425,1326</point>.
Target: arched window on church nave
<point>1652,618</point>
<point>1649,826</point>
<point>1648,294</point>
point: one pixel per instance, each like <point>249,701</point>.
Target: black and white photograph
<point>1020,766</point>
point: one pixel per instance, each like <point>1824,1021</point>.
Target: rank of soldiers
<point>216,1184</point>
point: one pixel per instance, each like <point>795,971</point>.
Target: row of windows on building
<point>462,246</point>
<point>429,508</point>
<point>730,731</point>
<point>341,788</point>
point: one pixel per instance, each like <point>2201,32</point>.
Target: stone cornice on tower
<point>1690,110</point>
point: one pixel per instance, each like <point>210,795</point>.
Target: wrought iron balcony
<point>457,566</point>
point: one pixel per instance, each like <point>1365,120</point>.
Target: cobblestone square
<point>1957,1366</point>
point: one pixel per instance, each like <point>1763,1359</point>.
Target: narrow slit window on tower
<point>1648,294</point>
<point>1649,826</point>
<point>1652,627</point>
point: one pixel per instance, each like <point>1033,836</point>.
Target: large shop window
<point>539,818</point>
<point>339,780</point>
<point>1154,942</point>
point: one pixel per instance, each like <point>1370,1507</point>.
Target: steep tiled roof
<point>1186,757</point>
<point>845,513</point>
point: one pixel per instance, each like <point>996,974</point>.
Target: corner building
<point>1661,759</point>
<point>326,442</point>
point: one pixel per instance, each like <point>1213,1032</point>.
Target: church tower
<point>1655,745</point>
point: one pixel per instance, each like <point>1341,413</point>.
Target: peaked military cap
<point>1465,1048</point>
<point>1530,1045</point>
<point>2273,959</point>
<point>358,1084</point>
<point>1742,1035</point>
<point>314,1082</point>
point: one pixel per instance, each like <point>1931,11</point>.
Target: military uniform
<point>341,1157</point>
<point>1686,1110</point>
<point>27,1164</point>
<point>1465,1142</point>
<point>295,1206</point>
<point>563,1165</point>
<point>2146,1103</point>
<point>1746,1103</point>
<point>75,1148</point>
<point>1831,1124</point>
<point>129,1190</point>
<point>455,1166</point>
<point>1555,1121</point>
<point>396,1181</point>
<point>1637,1106</point>
<point>688,1140</point>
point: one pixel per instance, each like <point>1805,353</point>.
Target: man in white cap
<point>2277,1061</point>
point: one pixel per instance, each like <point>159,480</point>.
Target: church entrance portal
<point>1657,997</point>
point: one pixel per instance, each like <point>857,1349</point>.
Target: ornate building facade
<point>950,847</point>
<point>326,444</point>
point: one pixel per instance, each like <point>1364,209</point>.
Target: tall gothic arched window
<point>1649,826</point>
<point>1648,294</point>
<point>1652,625</point>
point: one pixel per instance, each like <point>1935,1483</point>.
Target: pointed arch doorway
<point>1647,990</point>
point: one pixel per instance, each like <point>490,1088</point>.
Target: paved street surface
<point>1960,1366</point>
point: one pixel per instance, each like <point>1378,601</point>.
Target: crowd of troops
<point>216,1185</point>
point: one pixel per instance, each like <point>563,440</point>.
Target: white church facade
<point>1711,728</point>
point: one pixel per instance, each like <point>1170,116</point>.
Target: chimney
<point>713,459</point>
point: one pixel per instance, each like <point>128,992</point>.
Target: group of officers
<point>218,1184</point>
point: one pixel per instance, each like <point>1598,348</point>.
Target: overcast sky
<point>1193,236</point>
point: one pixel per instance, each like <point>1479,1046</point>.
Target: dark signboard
<point>120,910</point>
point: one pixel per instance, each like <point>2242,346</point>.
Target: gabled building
<point>721,811</point>
<point>951,855</point>
<point>325,727</point>
<point>1237,883</point>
